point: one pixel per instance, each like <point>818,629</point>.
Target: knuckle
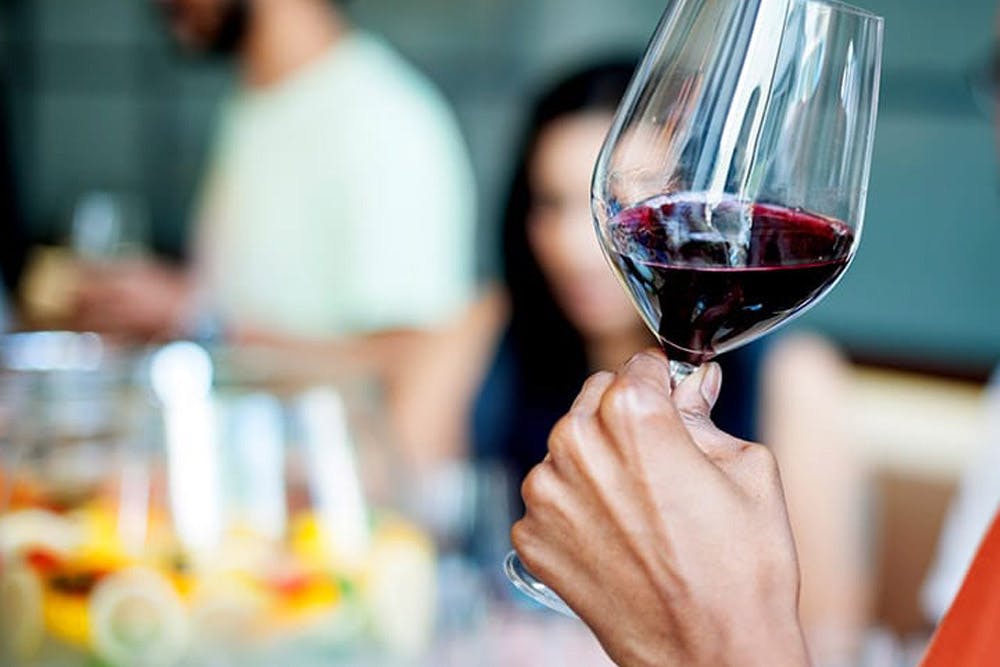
<point>649,361</point>
<point>536,486</point>
<point>563,434</point>
<point>642,357</point>
<point>521,536</point>
<point>567,438</point>
<point>630,399</point>
<point>529,544</point>
<point>619,401</point>
<point>761,459</point>
<point>598,379</point>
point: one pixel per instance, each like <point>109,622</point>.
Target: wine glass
<point>107,226</point>
<point>730,192</point>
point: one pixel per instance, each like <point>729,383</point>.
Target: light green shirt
<point>339,202</point>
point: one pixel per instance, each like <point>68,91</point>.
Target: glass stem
<point>679,371</point>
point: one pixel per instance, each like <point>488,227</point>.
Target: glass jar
<point>170,506</point>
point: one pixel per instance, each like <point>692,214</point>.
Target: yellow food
<point>318,595</point>
<point>153,607</point>
<point>67,618</point>
<point>308,541</point>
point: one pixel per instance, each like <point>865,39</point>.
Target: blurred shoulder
<point>379,105</point>
<point>803,357</point>
<point>372,71</point>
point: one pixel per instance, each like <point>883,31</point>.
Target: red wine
<point>711,277</point>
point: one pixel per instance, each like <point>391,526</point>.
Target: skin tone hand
<point>668,537</point>
<point>133,299</point>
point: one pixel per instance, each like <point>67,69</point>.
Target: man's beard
<point>232,31</point>
<point>225,40</point>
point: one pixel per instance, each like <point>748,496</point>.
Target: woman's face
<point>561,229</point>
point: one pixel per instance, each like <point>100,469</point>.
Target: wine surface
<point>711,277</point>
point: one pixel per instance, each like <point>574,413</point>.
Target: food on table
<point>69,577</point>
<point>138,618</point>
<point>21,532</point>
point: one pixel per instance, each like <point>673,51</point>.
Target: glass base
<point>526,582</point>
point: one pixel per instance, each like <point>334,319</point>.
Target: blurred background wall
<point>100,100</point>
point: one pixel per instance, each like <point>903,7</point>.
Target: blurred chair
<point>909,512</point>
<point>915,433</point>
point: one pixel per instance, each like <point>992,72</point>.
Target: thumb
<point>694,399</point>
<point>696,396</point>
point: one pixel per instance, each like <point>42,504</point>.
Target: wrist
<point>768,642</point>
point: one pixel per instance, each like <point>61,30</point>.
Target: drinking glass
<point>730,193</point>
<point>109,225</point>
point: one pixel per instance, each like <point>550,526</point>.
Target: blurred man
<point>339,201</point>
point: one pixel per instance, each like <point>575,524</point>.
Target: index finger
<point>589,399</point>
<point>639,413</point>
<point>651,367</point>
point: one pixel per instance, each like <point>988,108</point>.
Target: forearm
<point>768,644</point>
<point>376,354</point>
<point>750,642</point>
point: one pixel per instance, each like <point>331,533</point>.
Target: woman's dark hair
<point>548,347</point>
<point>541,360</point>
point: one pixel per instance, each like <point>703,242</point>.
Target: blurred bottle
<point>107,226</point>
<point>103,227</point>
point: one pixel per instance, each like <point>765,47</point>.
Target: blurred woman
<point>493,387</point>
<point>568,316</point>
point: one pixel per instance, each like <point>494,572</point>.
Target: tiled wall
<point>101,102</point>
<point>104,102</point>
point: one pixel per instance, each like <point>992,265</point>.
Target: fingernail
<point>711,383</point>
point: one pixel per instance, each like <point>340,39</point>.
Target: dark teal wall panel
<point>102,103</point>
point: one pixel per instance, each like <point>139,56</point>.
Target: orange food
<point>43,561</point>
<point>316,599</point>
<point>23,494</point>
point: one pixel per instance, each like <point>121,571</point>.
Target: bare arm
<point>431,377</point>
<point>133,299</point>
